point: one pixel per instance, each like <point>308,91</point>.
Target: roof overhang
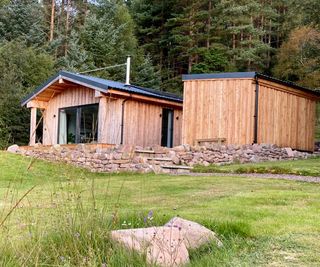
<point>64,80</point>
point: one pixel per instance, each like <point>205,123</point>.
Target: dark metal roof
<point>101,85</point>
<point>234,75</point>
<point>218,75</point>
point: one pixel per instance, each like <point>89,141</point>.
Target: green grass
<point>308,167</point>
<point>65,220</point>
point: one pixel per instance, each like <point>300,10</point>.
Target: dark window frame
<point>78,122</point>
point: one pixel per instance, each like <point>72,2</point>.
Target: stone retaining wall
<point>100,158</point>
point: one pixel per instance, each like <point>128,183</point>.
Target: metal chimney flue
<point>128,70</point>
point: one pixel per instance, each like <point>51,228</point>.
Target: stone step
<point>141,151</point>
<point>175,169</point>
<point>159,159</point>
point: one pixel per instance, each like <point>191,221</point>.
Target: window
<point>78,124</point>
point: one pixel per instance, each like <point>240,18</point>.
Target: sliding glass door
<point>78,124</point>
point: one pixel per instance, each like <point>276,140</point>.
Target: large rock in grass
<point>194,234</point>
<point>167,245</point>
<point>164,246</point>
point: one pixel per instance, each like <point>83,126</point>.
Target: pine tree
<point>144,74</point>
<point>21,69</point>
<point>23,20</point>
<point>76,58</point>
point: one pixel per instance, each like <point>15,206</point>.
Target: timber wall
<point>286,116</point>
<point>142,121</point>
<point>221,108</point>
<point>225,108</point>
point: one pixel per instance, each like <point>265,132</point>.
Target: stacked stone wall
<point>157,159</point>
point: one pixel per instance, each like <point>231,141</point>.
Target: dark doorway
<point>167,128</point>
<point>78,124</point>
<point>39,130</point>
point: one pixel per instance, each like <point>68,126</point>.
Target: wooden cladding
<point>221,108</point>
<point>285,118</point>
<point>225,108</point>
<point>142,123</point>
<point>142,120</point>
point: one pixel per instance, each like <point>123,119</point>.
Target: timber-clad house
<point>231,108</point>
<point>84,109</point>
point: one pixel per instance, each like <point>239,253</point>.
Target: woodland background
<point>165,39</point>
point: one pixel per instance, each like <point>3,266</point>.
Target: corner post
<point>102,120</point>
<point>33,126</point>
<point>256,111</point>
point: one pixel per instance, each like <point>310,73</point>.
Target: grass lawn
<point>310,167</point>
<point>65,219</point>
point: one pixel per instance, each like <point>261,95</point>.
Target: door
<point>167,128</point>
<point>78,124</point>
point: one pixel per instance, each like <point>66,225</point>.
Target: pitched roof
<point>101,85</point>
<point>253,75</point>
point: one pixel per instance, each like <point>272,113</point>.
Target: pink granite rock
<point>164,246</point>
<point>195,235</point>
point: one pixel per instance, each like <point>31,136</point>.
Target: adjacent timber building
<point>248,107</point>
<point>76,108</point>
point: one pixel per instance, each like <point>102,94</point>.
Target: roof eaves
<point>287,83</point>
<point>40,88</point>
<point>92,83</point>
<point>177,99</point>
<point>84,81</point>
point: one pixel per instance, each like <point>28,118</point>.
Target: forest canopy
<point>165,39</point>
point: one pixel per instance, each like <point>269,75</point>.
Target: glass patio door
<point>78,124</point>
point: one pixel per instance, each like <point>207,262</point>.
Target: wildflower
<point>62,258</point>
<point>77,235</point>
<point>149,217</point>
<point>150,213</point>
<point>104,265</point>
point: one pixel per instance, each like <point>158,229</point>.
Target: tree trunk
<point>53,5</point>
<point>250,45</point>
<point>67,28</point>
<point>209,24</point>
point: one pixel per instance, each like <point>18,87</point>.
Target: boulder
<point>164,246</point>
<point>13,149</point>
<point>167,248</point>
<point>195,234</point>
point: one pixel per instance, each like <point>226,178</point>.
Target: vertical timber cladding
<point>286,116</point>
<point>69,97</point>
<point>219,108</point>
<point>109,125</point>
<point>143,121</point>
